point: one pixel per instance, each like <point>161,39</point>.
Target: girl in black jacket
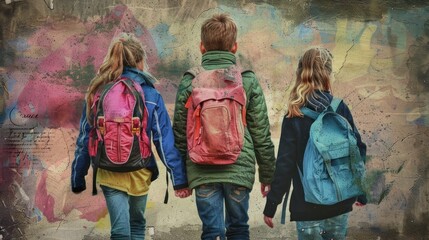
<point>312,89</point>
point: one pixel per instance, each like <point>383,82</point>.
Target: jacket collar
<point>142,77</point>
<point>217,59</point>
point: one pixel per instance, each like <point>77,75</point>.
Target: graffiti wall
<point>51,49</point>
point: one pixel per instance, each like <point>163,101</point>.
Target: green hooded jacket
<point>258,147</point>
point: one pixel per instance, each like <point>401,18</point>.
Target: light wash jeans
<point>211,201</point>
<point>126,214</point>
<point>334,228</point>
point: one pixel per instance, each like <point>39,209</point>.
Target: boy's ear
<point>202,48</point>
<point>234,48</point>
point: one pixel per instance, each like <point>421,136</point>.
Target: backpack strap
<point>243,72</point>
<point>95,168</point>
<point>166,190</point>
<point>94,181</point>
<point>283,217</point>
<point>309,113</point>
<point>145,148</point>
<point>335,103</point>
<point>195,70</point>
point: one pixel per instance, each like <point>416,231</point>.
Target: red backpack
<point>216,116</point>
<point>118,141</point>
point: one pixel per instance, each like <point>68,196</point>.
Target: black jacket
<point>293,140</point>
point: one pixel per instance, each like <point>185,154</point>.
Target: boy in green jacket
<point>219,186</point>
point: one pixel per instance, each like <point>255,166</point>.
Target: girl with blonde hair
<point>126,192</point>
<point>312,89</point>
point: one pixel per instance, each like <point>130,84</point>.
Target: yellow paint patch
<point>352,55</point>
<point>150,204</point>
<point>414,114</point>
<point>103,223</point>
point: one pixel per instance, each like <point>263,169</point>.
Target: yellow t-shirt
<point>134,183</point>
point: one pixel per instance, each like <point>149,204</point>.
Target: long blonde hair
<point>125,50</point>
<point>313,73</point>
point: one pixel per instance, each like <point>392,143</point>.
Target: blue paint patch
<point>19,44</point>
<point>390,34</point>
<point>31,107</point>
<point>38,214</point>
<point>6,162</point>
<point>271,16</point>
<point>328,33</point>
<point>414,19</point>
<point>287,59</point>
<point>274,12</point>
<point>18,159</point>
<point>305,34</point>
<point>163,39</point>
<point>10,83</point>
<point>420,121</point>
<point>118,12</point>
<point>138,31</point>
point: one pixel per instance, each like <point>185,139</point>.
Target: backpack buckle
<point>135,125</point>
<point>100,124</point>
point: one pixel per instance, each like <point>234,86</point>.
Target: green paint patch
<point>376,187</point>
<point>172,70</point>
<point>80,75</point>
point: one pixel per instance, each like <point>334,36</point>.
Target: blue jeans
<point>211,199</point>
<point>334,228</point>
<point>126,214</point>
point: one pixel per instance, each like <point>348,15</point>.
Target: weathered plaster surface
<point>48,56</point>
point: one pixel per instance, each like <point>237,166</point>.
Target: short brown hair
<point>219,33</point>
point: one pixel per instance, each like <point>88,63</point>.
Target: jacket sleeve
<point>81,161</point>
<point>259,127</point>
<point>286,166</point>
<point>163,139</point>
<point>180,114</point>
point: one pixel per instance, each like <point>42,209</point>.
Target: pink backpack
<point>216,116</point>
<point>118,141</point>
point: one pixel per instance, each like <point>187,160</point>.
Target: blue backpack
<point>333,169</point>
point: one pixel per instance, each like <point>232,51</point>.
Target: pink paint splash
<point>44,201</point>
<point>56,90</point>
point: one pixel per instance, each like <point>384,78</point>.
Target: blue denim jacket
<point>158,129</point>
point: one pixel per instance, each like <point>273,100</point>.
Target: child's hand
<point>268,221</point>
<point>361,201</point>
<point>265,189</point>
<point>183,193</point>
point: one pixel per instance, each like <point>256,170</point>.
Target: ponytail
<point>126,50</point>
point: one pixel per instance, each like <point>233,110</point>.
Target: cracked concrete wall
<point>48,57</point>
